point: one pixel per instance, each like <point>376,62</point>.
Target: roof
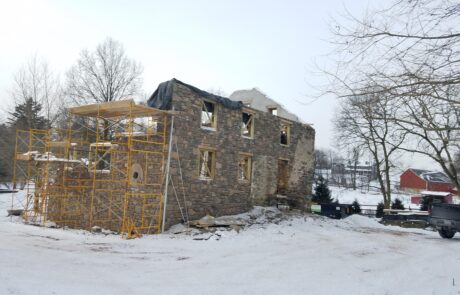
<point>431,176</point>
<point>432,193</point>
<point>260,101</point>
<point>162,96</point>
<point>115,109</point>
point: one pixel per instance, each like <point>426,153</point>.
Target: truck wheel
<point>446,234</point>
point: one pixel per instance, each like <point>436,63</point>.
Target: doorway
<point>283,176</point>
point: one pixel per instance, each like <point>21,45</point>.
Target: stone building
<point>108,168</point>
<point>233,156</point>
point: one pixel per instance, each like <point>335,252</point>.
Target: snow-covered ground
<point>347,196</point>
<point>302,255</point>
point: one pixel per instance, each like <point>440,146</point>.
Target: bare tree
<point>35,80</point>
<point>104,75</point>
<point>432,125</point>
<point>322,163</point>
<point>367,122</point>
<point>217,91</point>
<point>410,53</point>
<point>322,160</point>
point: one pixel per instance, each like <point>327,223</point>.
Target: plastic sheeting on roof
<point>162,97</point>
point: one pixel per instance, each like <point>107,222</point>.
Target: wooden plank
<point>23,157</point>
<point>61,144</point>
<point>92,109</point>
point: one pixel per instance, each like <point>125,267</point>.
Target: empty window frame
<point>208,114</point>
<point>100,157</point>
<point>207,163</point>
<point>245,167</point>
<point>285,133</point>
<point>273,111</point>
<point>247,124</point>
<point>152,125</point>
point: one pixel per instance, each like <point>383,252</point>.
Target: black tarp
<point>162,97</point>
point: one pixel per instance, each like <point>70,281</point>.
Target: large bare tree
<point>410,53</point>
<point>104,75</point>
<point>367,122</point>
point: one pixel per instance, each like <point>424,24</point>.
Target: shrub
<point>356,207</point>
<point>397,204</point>
<point>379,211</point>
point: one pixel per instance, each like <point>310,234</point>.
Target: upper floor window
<point>285,133</point>
<point>273,111</point>
<point>208,114</point>
<point>247,126</point>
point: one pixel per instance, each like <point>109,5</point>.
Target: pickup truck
<point>446,219</point>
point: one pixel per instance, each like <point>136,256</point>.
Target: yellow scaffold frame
<point>107,169</point>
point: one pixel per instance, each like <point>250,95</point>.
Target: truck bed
<point>445,216</point>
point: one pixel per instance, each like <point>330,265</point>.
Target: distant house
<point>366,170</point>
<point>343,174</point>
<point>417,180</point>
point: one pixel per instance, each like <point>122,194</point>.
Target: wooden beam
<point>116,109</point>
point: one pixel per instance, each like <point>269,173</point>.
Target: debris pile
<point>209,227</point>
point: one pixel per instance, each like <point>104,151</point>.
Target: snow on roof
<point>261,101</point>
<point>432,193</point>
<point>432,176</point>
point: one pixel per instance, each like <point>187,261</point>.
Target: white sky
<point>226,45</point>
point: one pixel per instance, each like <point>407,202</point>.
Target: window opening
<point>100,156</point>
<point>208,114</point>
<point>207,163</point>
<point>245,168</point>
<point>247,128</point>
<point>273,111</point>
<point>152,125</point>
<point>285,134</point>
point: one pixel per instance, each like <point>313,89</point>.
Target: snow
<point>347,196</point>
<point>432,193</point>
<point>301,255</point>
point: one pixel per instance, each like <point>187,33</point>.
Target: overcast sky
<point>227,45</point>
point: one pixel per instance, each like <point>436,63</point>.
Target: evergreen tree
<point>322,193</point>
<point>6,153</point>
<point>397,204</point>
<point>28,116</point>
<point>379,211</point>
<point>356,207</point>
<point>426,203</point>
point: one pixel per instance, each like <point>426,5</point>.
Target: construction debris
<point>211,227</point>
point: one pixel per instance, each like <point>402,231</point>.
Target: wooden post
<point>167,174</point>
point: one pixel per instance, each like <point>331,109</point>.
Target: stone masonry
<point>225,194</point>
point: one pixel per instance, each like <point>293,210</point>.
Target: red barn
<point>417,180</point>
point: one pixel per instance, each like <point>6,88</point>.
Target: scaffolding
<point>106,169</point>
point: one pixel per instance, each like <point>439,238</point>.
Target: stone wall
<point>225,194</point>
